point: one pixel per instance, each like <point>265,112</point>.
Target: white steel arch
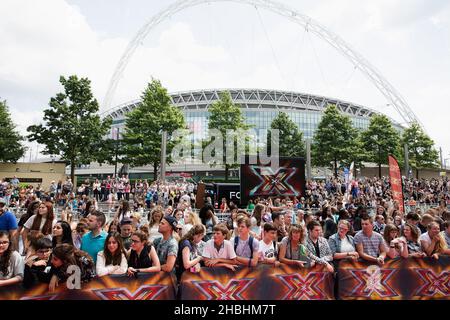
<point>390,93</point>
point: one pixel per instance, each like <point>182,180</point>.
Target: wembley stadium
<point>259,108</point>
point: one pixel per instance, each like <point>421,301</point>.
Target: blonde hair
<point>297,228</point>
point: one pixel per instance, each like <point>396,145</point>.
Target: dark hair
<point>100,217</point>
<point>141,235</point>
<point>47,228</point>
<point>412,216</point>
<point>268,226</point>
<point>125,208</point>
<point>366,217</point>
<point>446,224</point>
<point>6,256</point>
<point>30,211</point>
<point>275,215</point>
<point>203,213</point>
<point>66,235</point>
<point>387,232</point>
<point>257,213</point>
<point>313,224</point>
<point>69,255</point>
<point>80,226</point>
<point>43,243</point>
<point>414,231</point>
<point>116,258</point>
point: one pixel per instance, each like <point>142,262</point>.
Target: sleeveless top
<point>141,261</point>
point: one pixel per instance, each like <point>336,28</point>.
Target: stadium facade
<point>259,108</point>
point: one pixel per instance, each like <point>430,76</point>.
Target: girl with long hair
<point>43,221</point>
<point>65,255</point>
<point>190,219</point>
<point>113,258</point>
<point>411,236</point>
<point>123,211</point>
<point>189,255</point>
<point>292,249</point>
<point>396,246</point>
<point>155,217</point>
<point>62,233</point>
<point>32,209</point>
<point>11,263</point>
<point>208,219</point>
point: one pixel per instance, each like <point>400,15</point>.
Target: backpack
<point>250,243</point>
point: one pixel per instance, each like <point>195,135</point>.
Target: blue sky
<point>225,45</point>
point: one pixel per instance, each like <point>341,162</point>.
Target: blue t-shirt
<point>93,245</point>
<point>8,221</point>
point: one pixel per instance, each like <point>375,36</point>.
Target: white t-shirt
<point>266,250</point>
<point>346,246</point>
<point>226,251</point>
<point>154,233</point>
<point>425,238</point>
<point>30,222</point>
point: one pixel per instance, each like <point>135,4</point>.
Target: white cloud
<point>407,40</point>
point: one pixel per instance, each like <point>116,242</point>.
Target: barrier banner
<point>158,286</point>
<point>431,278</point>
<point>263,282</point>
<point>398,279</point>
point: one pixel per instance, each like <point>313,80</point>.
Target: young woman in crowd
<point>292,249</point>
<point>190,219</point>
<point>432,242</point>
<point>43,221</point>
<point>232,222</point>
<point>65,255</point>
<point>189,256</point>
<point>178,215</point>
<point>256,221</point>
<point>142,257</point>
<point>80,230</point>
<point>395,246</point>
<point>113,258</point>
<point>62,233</point>
<point>155,218</point>
<point>209,220</point>
<point>32,209</point>
<point>342,244</point>
<point>411,237</point>
<point>123,211</point>
<point>11,263</point>
<point>329,225</point>
<point>114,226</point>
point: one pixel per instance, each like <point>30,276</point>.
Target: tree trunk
<point>155,171</point>
<point>379,170</point>
<point>226,173</point>
<point>72,172</point>
<point>335,168</point>
<point>417,173</point>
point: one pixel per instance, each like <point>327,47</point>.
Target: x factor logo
<point>273,183</point>
<point>146,292</point>
<point>214,290</point>
<point>304,288</point>
<point>434,284</point>
<point>373,280</point>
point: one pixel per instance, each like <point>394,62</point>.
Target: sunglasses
<point>4,242</point>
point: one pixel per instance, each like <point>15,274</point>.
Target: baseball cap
<point>172,221</point>
<point>2,201</point>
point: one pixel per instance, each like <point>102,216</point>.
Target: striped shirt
<point>371,245</point>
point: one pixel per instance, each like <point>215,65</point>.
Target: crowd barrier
<point>399,279</point>
<point>263,282</point>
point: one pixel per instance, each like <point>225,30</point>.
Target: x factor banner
<point>263,282</point>
<point>398,279</point>
<point>395,178</point>
<point>259,180</point>
<point>158,286</point>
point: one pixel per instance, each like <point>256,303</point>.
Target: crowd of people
<point>174,237</point>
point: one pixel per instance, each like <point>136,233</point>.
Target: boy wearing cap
<point>167,246</point>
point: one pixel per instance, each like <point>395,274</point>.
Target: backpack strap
<point>236,241</point>
<point>250,243</point>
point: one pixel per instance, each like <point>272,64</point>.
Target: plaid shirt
<point>324,250</point>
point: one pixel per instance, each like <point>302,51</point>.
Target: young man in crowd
<point>219,252</point>
<point>446,232</point>
<point>318,246</point>
<point>268,249</point>
<point>93,242</point>
<point>370,244</point>
<point>278,222</point>
<point>126,229</point>
<point>424,222</point>
<point>413,218</point>
<point>167,246</point>
<point>379,224</point>
<point>245,246</point>
<point>8,223</point>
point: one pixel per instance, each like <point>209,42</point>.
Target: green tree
<point>420,148</point>
<point>10,140</point>
<point>335,139</point>
<point>72,128</point>
<point>144,126</point>
<point>291,143</point>
<point>380,139</point>
<point>225,115</point>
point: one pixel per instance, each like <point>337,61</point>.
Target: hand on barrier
<point>300,263</point>
<point>53,283</point>
<point>329,267</point>
<point>232,267</point>
<point>380,260</point>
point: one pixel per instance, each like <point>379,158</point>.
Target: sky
<point>228,45</point>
